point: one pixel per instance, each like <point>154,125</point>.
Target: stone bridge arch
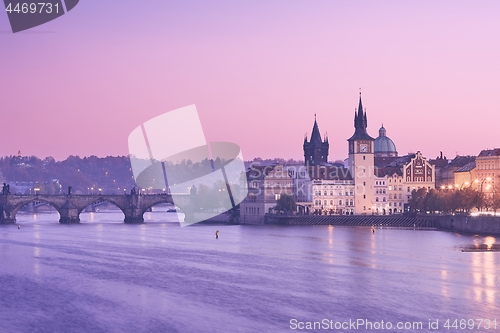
<point>69,207</point>
<point>10,208</point>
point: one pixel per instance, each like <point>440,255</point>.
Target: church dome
<point>384,146</point>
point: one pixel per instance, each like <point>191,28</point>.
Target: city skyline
<point>258,73</point>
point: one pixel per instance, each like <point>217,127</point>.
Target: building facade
<point>488,171</point>
<point>332,190</point>
<point>265,186</point>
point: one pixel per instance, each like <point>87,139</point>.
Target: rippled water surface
<point>106,276</point>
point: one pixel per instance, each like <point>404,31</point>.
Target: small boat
<point>171,210</point>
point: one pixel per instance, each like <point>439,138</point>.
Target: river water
<point>105,276</point>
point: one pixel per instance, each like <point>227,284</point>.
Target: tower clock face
<point>363,148</point>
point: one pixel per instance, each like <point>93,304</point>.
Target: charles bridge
<point>70,206</point>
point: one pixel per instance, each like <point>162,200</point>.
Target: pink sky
<point>257,71</point>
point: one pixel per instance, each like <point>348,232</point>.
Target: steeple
<point>315,136</point>
<point>360,123</point>
<point>316,150</point>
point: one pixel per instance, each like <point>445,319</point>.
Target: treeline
<point>85,175</point>
<point>454,201</point>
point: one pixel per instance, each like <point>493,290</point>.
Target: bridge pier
<point>69,213</point>
<point>7,220</point>
<point>134,215</point>
<point>69,219</point>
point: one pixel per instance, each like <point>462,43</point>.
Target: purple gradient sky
<point>257,72</point>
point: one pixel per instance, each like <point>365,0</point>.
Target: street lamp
<point>100,191</point>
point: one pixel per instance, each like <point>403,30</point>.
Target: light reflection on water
<point>106,276</point>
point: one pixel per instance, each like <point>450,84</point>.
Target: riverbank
<point>484,225</point>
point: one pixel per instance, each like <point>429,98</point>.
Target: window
<point>383,199</point>
<point>376,199</point>
<point>340,202</point>
<point>364,196</point>
<point>408,190</point>
<point>364,183</point>
<point>331,202</point>
<point>364,157</point>
<point>324,202</point>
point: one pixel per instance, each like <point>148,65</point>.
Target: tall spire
<point>360,122</point>
<point>360,107</point>
<point>315,135</point>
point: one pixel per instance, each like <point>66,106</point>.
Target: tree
<point>286,203</point>
<point>495,201</point>
<point>417,200</point>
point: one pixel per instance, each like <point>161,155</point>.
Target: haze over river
<point>105,276</point>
